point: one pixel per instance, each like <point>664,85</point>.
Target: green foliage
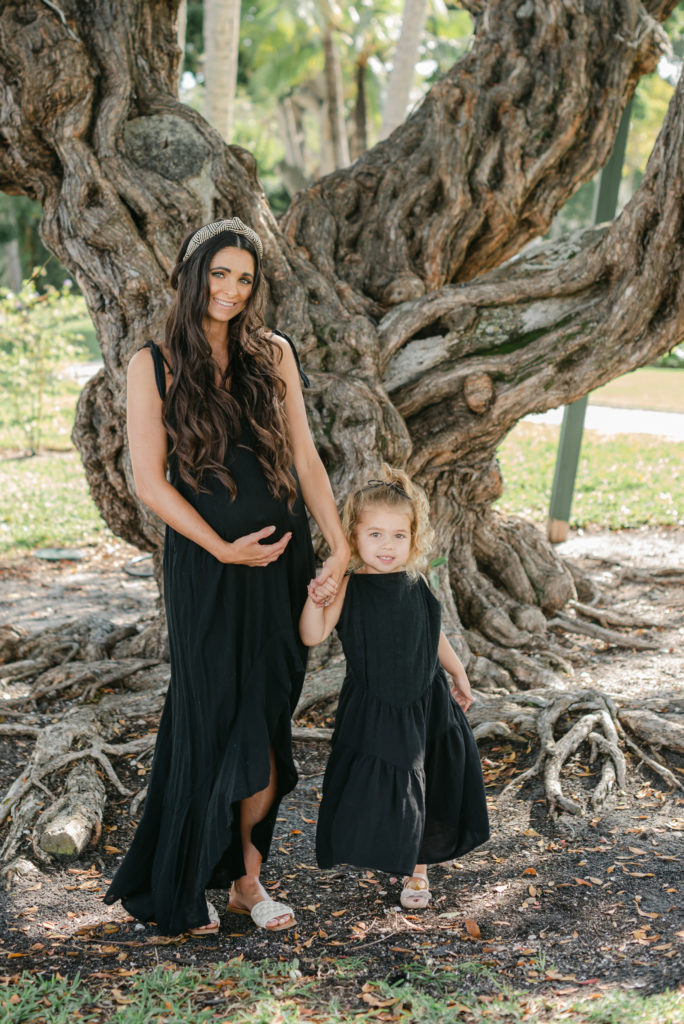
<point>33,348</point>
<point>20,220</point>
<point>673,359</point>
<point>281,55</point>
<point>194,37</point>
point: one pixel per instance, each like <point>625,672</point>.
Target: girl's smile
<point>383,539</point>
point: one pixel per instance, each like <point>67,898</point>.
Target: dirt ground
<point>576,904</point>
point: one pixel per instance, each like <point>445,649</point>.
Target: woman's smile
<point>231,279</point>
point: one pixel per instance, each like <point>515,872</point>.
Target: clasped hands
<point>249,550</point>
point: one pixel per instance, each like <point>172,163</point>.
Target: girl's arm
<point>148,447</point>
<point>313,479</point>
<point>317,622</point>
<point>452,664</point>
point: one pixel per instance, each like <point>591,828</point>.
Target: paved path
<point>606,420</point>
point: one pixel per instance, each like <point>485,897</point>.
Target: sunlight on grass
<point>237,990</point>
<point>650,387</point>
<point>623,481</point>
<point>45,502</point>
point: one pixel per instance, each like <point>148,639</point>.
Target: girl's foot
<point>247,896</point>
<point>207,929</point>
<point>416,892</point>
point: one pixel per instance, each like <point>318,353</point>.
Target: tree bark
<point>359,135</point>
<point>221,39</point>
<point>334,97</point>
<point>404,66</point>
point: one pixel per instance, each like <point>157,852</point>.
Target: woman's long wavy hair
<point>205,418</point>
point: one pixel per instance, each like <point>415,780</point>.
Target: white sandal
<point>415,896</point>
<point>264,911</point>
<point>267,910</point>
<point>207,929</point>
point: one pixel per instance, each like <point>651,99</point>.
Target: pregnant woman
<point>221,451</point>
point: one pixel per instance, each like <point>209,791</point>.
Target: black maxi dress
<point>237,668</point>
<point>404,783</point>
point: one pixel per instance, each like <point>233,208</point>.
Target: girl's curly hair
<point>395,490</point>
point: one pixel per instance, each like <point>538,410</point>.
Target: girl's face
<point>383,538</point>
<point>231,279</point>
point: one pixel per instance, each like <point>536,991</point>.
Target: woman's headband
<point>235,225</point>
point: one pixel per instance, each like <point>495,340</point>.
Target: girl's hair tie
<point>373,484</point>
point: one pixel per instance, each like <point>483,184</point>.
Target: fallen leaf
<point>472,928</point>
<point>369,997</point>
<point>529,871</point>
<point>646,913</point>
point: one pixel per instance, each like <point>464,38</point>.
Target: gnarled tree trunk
<point>424,345</point>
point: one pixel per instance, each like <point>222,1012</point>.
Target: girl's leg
<point>416,892</point>
<point>247,891</point>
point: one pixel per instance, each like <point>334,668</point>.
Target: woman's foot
<point>247,896</point>
<point>416,892</point>
<point>207,929</point>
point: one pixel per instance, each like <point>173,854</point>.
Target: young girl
<point>403,787</point>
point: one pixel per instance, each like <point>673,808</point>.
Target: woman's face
<point>231,279</point>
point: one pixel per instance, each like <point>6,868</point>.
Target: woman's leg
<point>247,891</point>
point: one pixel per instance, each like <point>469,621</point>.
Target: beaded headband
<point>373,484</point>
<point>235,225</point>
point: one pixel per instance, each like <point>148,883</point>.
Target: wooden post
<point>572,427</point>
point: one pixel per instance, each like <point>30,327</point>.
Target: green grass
<point>57,420</point>
<point>623,481</point>
<point>45,502</point>
<point>241,992</point>
<point>80,327</point>
<point>650,387</point>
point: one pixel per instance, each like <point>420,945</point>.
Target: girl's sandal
<point>416,892</point>
<point>207,929</point>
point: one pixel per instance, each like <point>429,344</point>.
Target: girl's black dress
<point>237,668</point>
<point>404,784</point>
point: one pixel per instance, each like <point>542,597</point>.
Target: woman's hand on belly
<point>248,551</point>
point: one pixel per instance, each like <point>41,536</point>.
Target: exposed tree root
<point>608,618</point>
<point>569,625</point>
<point>600,725</point>
<point>82,742</point>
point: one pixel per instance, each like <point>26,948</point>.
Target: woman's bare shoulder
<point>143,361</point>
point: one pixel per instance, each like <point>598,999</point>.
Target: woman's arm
<point>147,441</point>
<point>452,664</point>
<point>313,479</point>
